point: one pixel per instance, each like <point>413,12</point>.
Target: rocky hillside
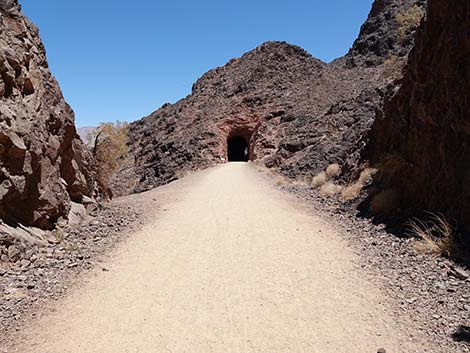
<point>388,31</point>
<point>259,97</point>
<point>43,165</point>
<point>421,140</point>
<point>295,113</point>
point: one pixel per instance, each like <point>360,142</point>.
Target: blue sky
<point>118,59</point>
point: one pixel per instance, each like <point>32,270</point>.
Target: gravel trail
<point>230,265</point>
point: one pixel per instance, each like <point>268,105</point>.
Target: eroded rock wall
<point>43,165</point>
<point>421,140</point>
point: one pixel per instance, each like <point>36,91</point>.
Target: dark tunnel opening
<point>237,149</point>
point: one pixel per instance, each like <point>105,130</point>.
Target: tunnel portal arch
<point>238,149</point>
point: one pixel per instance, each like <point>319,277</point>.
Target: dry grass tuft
<point>319,179</point>
<point>281,180</point>
<point>436,236</point>
<point>392,67</point>
<point>353,191</point>
<point>302,181</point>
<point>330,189</point>
<point>333,170</point>
<point>306,180</point>
<point>366,176</point>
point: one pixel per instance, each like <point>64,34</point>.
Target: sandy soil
<point>229,265</point>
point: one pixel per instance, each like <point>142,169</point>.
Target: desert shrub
<point>319,179</point>
<point>436,236</point>
<point>281,180</point>
<point>109,146</point>
<point>366,176</point>
<point>408,19</point>
<point>301,180</point>
<point>392,67</point>
<point>353,190</point>
<point>333,170</point>
<point>329,189</point>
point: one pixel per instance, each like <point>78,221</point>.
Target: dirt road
<point>231,265</point>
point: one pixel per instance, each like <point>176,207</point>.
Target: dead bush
<point>392,67</point>
<point>329,189</point>
<point>109,146</point>
<point>366,176</point>
<point>281,180</point>
<point>333,170</point>
<point>306,179</point>
<point>436,236</point>
<point>408,19</point>
<point>353,191</point>
<point>319,179</point>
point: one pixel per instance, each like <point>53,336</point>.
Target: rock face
<point>389,30</point>
<point>43,165</point>
<point>421,140</point>
<point>294,112</point>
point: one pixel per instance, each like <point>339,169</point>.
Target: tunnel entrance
<point>238,149</point>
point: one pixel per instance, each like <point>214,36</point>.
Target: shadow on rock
<point>462,334</point>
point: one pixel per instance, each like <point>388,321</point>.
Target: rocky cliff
<point>421,139</point>
<point>294,112</point>
<point>388,31</point>
<point>43,165</point>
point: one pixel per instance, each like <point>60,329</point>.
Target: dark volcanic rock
<point>296,113</point>
<point>422,139</point>
<point>43,165</point>
<point>388,30</point>
<point>259,97</point>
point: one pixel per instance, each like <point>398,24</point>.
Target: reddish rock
<point>43,165</point>
<point>421,140</point>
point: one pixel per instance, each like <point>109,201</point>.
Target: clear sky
<point>117,59</point>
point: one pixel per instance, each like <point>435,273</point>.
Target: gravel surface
<point>431,291</point>
<point>42,275</point>
<point>234,265</point>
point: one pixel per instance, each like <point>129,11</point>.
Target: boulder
<point>78,215</point>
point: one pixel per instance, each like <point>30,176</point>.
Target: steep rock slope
<point>43,165</point>
<point>421,141</point>
<point>296,113</point>
<point>388,30</point>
